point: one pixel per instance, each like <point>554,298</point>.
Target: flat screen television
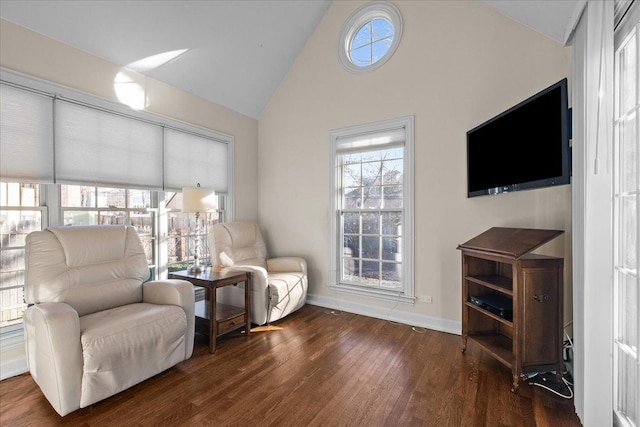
<point>523,148</point>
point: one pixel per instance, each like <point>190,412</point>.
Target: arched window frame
<point>368,12</point>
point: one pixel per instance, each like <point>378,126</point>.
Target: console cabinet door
<point>542,299</point>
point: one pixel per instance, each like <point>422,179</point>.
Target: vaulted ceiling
<point>233,53</point>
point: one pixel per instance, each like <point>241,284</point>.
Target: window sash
<point>352,264</point>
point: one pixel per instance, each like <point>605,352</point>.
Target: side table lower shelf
<point>212,318</point>
<point>228,317</point>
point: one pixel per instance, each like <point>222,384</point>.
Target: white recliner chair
<point>279,285</point>
<point>93,328</point>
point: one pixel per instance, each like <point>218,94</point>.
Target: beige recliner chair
<point>93,327</point>
<point>279,284</point>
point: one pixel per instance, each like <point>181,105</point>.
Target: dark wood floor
<point>321,369</point>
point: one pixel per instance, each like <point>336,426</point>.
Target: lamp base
<point>196,269</point>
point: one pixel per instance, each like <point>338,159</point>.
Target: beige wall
<point>459,63</point>
<point>39,56</point>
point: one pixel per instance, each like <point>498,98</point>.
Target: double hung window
<point>372,205</point>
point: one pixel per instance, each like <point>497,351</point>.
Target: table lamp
<point>198,200</point>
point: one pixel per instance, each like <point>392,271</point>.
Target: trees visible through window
<point>20,214</point>
<point>23,210</point>
<point>88,205</point>
<point>372,217</point>
<point>181,233</point>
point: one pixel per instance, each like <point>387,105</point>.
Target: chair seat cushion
<point>115,341</point>
<point>287,292</point>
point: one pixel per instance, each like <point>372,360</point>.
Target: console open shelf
<point>497,283</point>
<point>502,278</point>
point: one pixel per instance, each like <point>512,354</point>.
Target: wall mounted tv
<point>523,148</point>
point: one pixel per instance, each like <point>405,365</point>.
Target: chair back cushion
<point>237,243</point>
<point>91,268</point>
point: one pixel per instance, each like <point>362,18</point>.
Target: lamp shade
<point>198,200</point>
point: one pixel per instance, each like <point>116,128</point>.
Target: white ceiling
<point>238,51</point>
<point>555,18</point>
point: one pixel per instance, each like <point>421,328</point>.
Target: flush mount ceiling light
<point>369,37</point>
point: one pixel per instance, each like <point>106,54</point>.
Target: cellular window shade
<point>193,159</point>
<point>370,141</point>
<point>103,148</point>
<point>26,136</point>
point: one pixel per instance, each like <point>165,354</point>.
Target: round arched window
<point>369,37</point>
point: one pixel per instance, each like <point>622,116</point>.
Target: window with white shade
<point>71,159</point>
<point>52,134</point>
<point>26,135</point>
<point>372,205</point>
<point>94,145</point>
<point>198,156</point>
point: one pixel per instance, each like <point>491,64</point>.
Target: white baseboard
<point>413,319</point>
<point>13,359</point>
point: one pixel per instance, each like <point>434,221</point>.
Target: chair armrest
<point>258,275</point>
<point>54,353</point>
<point>174,292</point>
<point>287,264</point>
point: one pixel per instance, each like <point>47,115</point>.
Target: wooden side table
<point>213,318</point>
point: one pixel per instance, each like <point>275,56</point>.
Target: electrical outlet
<point>426,298</point>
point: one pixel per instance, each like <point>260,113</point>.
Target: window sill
<point>13,360</point>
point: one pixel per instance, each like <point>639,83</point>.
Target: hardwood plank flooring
<point>321,369</point>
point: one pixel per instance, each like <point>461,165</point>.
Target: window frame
<point>367,13</point>
<point>406,293</point>
<point>625,339</point>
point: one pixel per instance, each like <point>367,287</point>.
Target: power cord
<point>544,381</point>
